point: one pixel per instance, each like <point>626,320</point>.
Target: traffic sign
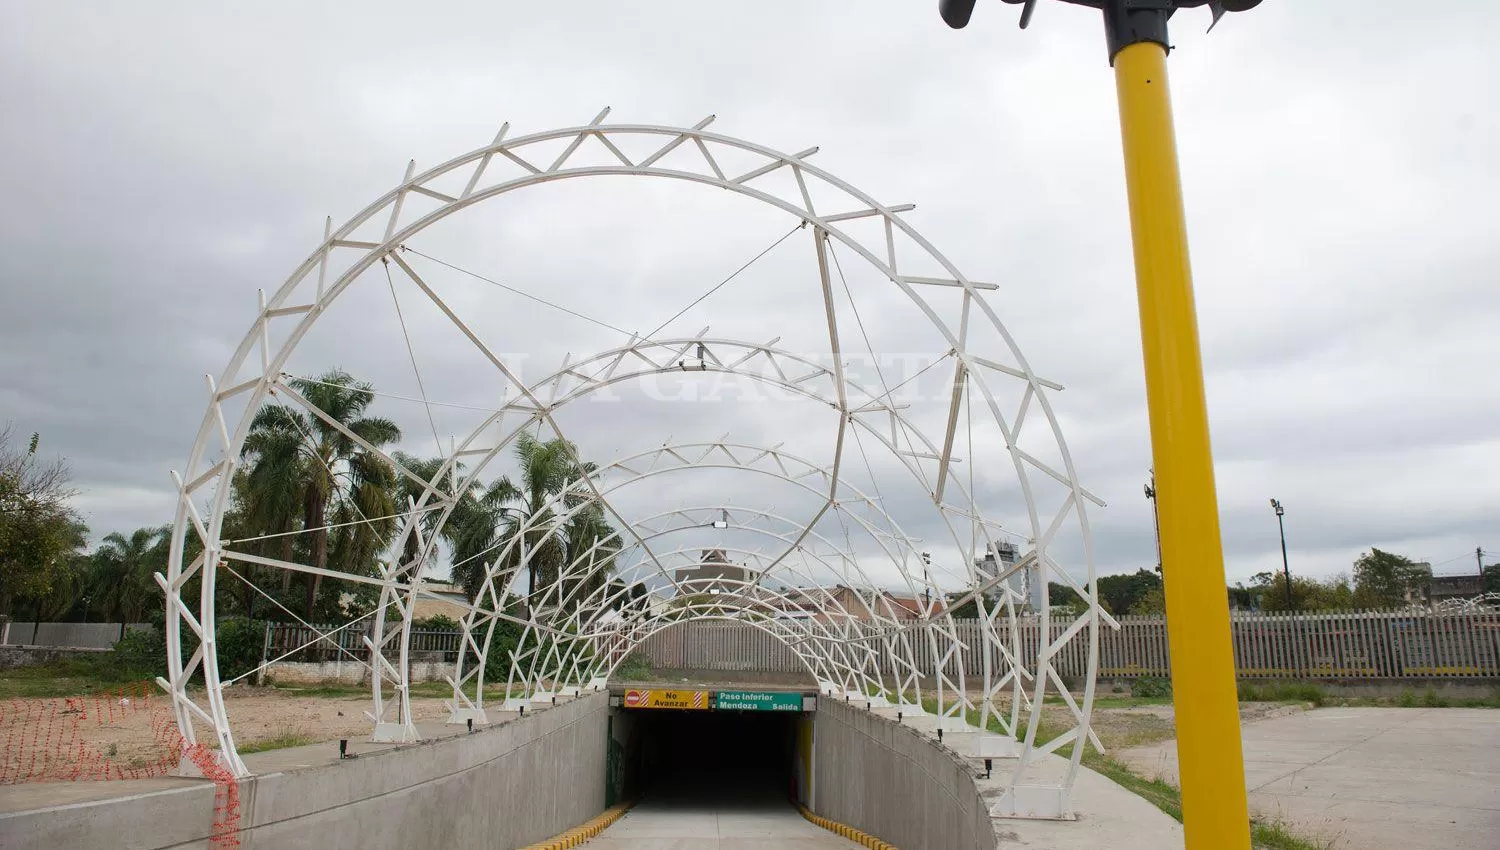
<point>757,701</point>
<point>656,698</point>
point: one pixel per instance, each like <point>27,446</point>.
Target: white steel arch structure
<point>570,642</point>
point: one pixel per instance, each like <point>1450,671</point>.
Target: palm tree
<point>496,516</point>
<point>408,492</point>
<point>121,571</point>
<point>301,461</point>
<point>589,531</point>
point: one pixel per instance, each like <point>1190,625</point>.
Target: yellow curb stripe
<point>579,834</point>
<point>845,830</point>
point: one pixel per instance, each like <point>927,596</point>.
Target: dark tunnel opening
<point>708,760</point>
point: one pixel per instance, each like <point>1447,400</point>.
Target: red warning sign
<point>641,698</point>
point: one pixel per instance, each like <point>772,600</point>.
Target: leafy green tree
<point>121,573</point>
<point>300,460</point>
<point>1061,596</point>
<point>1151,603</point>
<point>1308,594</point>
<point>1386,580</point>
<point>39,530</point>
<point>68,597</point>
<point>1120,593</point>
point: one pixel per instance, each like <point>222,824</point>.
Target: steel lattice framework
<point>857,645</point>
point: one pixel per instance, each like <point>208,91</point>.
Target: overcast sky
<point>166,160</point>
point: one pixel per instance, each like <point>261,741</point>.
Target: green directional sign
<point>757,701</point>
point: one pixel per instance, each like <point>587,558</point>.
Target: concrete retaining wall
<point>79,635</point>
<point>502,787</point>
<point>31,656</point>
<point>891,782</point>
<point>348,672</point>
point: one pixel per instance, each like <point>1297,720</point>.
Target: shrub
<point>1151,687</point>
<point>240,644</point>
<point>503,642</point>
<point>436,623</point>
<point>140,654</point>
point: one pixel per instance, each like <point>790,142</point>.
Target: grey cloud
<point>168,160</point>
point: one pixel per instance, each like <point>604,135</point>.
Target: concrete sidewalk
<point>1369,778</point>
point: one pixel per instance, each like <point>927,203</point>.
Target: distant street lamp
<point>1286,571</point>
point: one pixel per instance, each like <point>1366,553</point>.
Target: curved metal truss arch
<point>576,630</point>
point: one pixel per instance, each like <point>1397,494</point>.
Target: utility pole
<point>1479,559</point>
<point>1210,756</point>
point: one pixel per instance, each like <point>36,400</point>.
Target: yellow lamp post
<point>1210,761</point>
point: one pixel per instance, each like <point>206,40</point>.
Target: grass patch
<point>69,677</point>
<point>1160,794</point>
<point>287,737</point>
<point>1116,701</point>
<point>1283,692</point>
<point>635,668</point>
<point>1276,836</point>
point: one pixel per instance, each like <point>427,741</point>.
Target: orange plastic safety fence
<point>226,824</point>
<point>127,733</point>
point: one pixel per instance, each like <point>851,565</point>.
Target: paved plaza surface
<point>1369,778</point>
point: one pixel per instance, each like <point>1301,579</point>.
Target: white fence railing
<point>1344,644</point>
<point>1341,644</point>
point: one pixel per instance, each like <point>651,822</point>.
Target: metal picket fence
<point>322,643</point>
<point>1337,644</point>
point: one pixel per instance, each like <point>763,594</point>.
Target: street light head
<point>1276,506</point>
<point>956,13</point>
<point>1126,22</point>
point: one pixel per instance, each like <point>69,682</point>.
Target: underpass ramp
<point>711,770</point>
<point>707,812</point>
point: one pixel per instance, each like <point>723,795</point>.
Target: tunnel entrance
<point>714,759</point>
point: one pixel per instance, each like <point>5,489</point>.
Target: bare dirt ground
<point>262,714</point>
<point>132,734</point>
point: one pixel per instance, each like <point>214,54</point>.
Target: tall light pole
<point>1286,571</point>
<point>926,584</point>
<point>1155,518</point>
<point>1210,757</point>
